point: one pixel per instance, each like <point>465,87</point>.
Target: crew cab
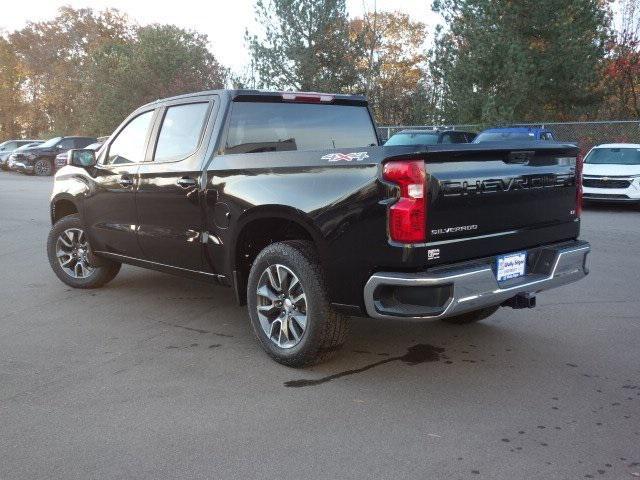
<point>289,199</point>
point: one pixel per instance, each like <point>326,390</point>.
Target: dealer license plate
<point>512,265</point>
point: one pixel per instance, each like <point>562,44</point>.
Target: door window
<point>67,144</point>
<point>454,137</point>
<point>181,131</point>
<point>128,146</point>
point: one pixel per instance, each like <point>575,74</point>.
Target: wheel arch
<point>63,206</point>
<point>262,226</point>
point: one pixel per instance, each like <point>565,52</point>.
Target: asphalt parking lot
<point>156,376</point>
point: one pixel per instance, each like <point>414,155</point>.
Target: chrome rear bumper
<point>464,288</point>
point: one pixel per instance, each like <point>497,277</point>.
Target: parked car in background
<point>40,160</point>
<point>61,158</point>
<point>10,146</point>
<point>513,133</point>
<point>612,173</point>
<point>5,158</point>
<point>429,137</point>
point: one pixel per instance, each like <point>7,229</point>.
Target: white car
<point>611,173</point>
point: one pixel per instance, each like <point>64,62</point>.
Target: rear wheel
<point>43,168</point>
<point>471,317</point>
<point>71,258</point>
<point>288,306</point>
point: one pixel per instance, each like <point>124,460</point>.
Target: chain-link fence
<point>584,134</point>
<point>386,131</point>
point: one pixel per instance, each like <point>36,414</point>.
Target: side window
<point>128,146</point>
<point>66,144</point>
<point>459,137</point>
<point>180,131</point>
<point>447,138</point>
<point>81,142</point>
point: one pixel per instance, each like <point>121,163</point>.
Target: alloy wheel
<point>282,306</point>
<point>72,250</point>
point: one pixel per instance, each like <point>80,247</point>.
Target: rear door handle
<point>186,182</point>
<point>126,181</point>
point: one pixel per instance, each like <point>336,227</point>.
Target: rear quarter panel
<point>337,200</point>
<point>343,205</point>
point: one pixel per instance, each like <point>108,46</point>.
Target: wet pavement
<point>156,376</point>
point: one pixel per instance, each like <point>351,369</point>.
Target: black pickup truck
<point>289,199</point>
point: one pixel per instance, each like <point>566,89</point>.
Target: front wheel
<point>288,306</point>
<point>43,168</point>
<point>71,259</point>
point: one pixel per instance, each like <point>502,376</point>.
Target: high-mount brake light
<point>408,216</point>
<point>579,165</point>
<point>307,97</point>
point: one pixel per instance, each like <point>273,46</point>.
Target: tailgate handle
<point>523,156</point>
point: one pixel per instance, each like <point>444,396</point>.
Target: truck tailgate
<point>499,188</point>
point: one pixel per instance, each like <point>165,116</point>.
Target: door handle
<point>125,181</point>
<point>186,182</point>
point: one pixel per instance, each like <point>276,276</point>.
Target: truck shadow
<point>211,311</point>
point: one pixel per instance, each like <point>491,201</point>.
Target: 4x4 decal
<point>345,157</point>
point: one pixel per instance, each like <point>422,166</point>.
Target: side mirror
<point>81,158</point>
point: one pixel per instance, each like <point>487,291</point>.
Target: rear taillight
<point>579,163</point>
<point>408,216</point>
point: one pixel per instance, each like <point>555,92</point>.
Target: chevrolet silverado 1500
<point>289,199</point>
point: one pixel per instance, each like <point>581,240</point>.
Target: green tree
<point>304,45</point>
<point>622,74</point>
<point>53,56</point>
<point>390,65</point>
<point>160,61</point>
<point>11,80</point>
<point>500,60</point>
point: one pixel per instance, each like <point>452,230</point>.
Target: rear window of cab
<point>272,127</point>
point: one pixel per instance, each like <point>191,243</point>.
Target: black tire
<point>325,331</point>
<point>471,317</point>
<point>43,167</point>
<point>103,270</point>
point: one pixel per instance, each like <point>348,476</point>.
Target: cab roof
<point>263,95</point>
<point>431,131</point>
<point>515,129</point>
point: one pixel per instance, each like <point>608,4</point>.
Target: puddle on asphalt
<point>415,355</point>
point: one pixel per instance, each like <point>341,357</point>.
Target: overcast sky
<point>223,21</point>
